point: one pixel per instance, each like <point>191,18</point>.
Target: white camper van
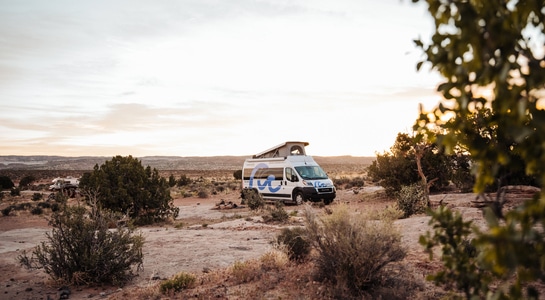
<point>285,173</point>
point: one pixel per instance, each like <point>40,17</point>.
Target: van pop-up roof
<point>283,150</point>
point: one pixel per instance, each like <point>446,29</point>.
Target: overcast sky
<point>209,77</point>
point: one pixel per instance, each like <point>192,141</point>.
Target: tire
<point>298,198</point>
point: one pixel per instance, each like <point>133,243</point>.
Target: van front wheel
<point>298,198</point>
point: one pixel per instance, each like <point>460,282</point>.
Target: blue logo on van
<point>266,183</point>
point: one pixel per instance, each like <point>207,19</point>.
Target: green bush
<point>7,210</point>
<point>354,255</point>
<point>37,196</point>
<point>253,199</point>
<point>26,181</point>
<point>23,206</point>
<point>55,207</point>
<point>5,182</point>
<point>177,283</point>
<point>15,191</point>
<point>277,213</point>
<point>463,271</point>
<point>44,204</point>
<point>37,210</point>
<point>183,181</point>
<point>171,180</point>
<point>81,249</point>
<point>123,185</point>
<point>295,242</point>
<point>411,200</point>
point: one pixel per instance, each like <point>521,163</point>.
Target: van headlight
<point>307,183</point>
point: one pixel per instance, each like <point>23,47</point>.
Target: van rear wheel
<point>298,198</point>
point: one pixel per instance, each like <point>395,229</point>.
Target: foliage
<point>411,200</point>
<point>26,181</point>
<point>493,109</point>
<point>183,181</point>
<point>346,183</point>
<point>203,193</point>
<point>81,249</point>
<point>252,198</point>
<point>463,270</point>
<point>7,210</point>
<point>461,173</point>
<point>354,254</point>
<point>15,191</point>
<point>37,210</point>
<point>171,180</point>
<point>296,243</point>
<point>237,174</point>
<point>398,167</point>
<point>123,185</point>
<point>277,213</point>
<point>5,182</point>
<point>37,196</point>
<point>178,282</point>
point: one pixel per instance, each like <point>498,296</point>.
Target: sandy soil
<point>209,238</point>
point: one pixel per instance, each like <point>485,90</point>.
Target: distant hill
<point>15,162</point>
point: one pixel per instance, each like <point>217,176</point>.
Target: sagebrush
<point>82,250</point>
<point>354,253</point>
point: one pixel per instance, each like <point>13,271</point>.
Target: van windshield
<point>311,172</point>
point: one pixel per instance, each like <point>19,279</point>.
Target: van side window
<point>290,175</point>
<point>296,150</point>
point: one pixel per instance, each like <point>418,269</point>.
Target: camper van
<point>64,183</point>
<point>285,173</point>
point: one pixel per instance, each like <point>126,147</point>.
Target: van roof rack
<point>285,149</point>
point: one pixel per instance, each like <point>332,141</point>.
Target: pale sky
<point>209,77</point>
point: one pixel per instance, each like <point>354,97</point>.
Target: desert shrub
<point>357,182</point>
<point>5,182</point>
<point>252,198</point>
<point>273,260</point>
<point>390,213</point>
<point>26,181</point>
<point>171,180</point>
<point>15,191</point>
<point>178,282</point>
<point>276,213</point>
<point>44,204</point>
<point>37,196</point>
<point>81,249</point>
<point>341,182</point>
<point>55,207</point>
<point>7,210</point>
<point>220,188</point>
<point>23,206</point>
<point>123,185</point>
<point>411,200</point>
<point>37,210</point>
<point>237,174</point>
<point>355,254</point>
<point>245,271</point>
<point>183,181</point>
<point>203,193</point>
<point>295,242</point>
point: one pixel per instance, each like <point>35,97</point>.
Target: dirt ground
<point>203,238</point>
